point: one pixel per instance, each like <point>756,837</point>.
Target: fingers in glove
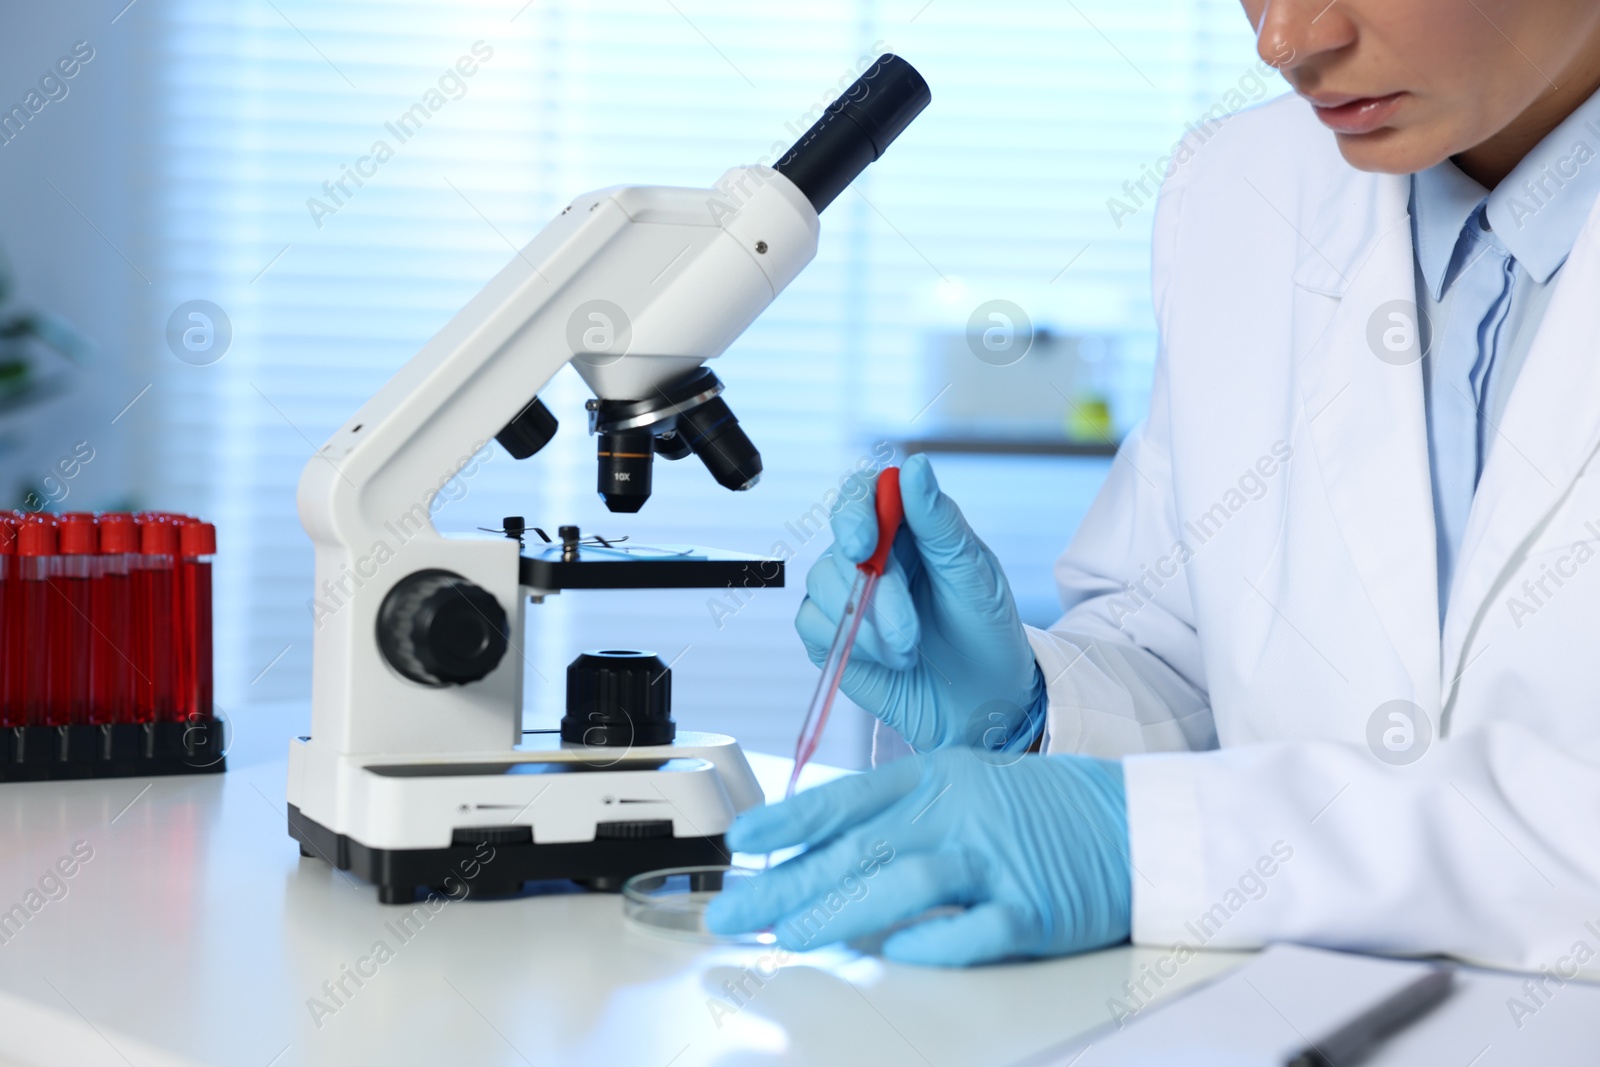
<point>890,631</point>
<point>879,690</point>
<point>855,534</point>
<point>769,897</point>
<point>797,884</point>
<point>816,815</point>
<point>941,531</point>
<point>981,934</point>
<point>855,527</point>
<point>816,630</point>
<point>962,572</point>
<point>900,888</point>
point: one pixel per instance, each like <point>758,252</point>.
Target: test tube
<point>71,630</point>
<point>197,542</point>
<point>153,620</point>
<point>112,694</point>
<point>10,632</point>
<point>182,655</point>
<point>36,553</point>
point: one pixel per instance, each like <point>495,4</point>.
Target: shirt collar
<point>1542,205</point>
<point>1536,212</point>
<point>1443,199</point>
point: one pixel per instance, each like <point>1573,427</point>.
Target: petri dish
<point>672,903</point>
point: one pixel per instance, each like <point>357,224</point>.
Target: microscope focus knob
<point>439,629</point>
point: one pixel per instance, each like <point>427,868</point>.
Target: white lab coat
<point>1306,598</point>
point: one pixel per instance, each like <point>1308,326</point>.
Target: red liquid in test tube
<point>181,653</point>
<point>181,644</point>
<point>112,690</point>
<point>71,631</point>
<point>153,619</point>
<point>36,553</point>
<point>197,544</point>
<point>10,630</point>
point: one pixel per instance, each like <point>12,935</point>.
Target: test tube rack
<point>112,750</point>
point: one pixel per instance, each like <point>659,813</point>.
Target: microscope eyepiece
<point>855,129</point>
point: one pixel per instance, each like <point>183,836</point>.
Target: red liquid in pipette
<point>890,512</point>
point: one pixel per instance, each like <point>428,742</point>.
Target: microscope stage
<point>553,568</point>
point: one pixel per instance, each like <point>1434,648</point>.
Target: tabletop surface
<point>191,931</point>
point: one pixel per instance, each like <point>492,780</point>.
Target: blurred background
<point>981,294</point>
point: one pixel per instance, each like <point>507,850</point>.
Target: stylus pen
<point>1356,1039</point>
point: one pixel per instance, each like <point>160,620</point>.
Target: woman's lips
<point>1360,114</point>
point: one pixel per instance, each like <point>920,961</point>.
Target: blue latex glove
<point>942,657</point>
<point>1035,850</point>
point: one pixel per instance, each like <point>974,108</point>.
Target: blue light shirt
<point>1486,264</point>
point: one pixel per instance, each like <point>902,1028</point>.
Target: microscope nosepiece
<point>686,416</point>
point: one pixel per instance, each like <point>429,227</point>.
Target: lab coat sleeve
<point>1484,849</point>
<point>1122,666</point>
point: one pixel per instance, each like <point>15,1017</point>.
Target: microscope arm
<point>679,273</point>
<point>683,267</point>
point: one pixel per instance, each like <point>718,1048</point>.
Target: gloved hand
<point>942,656</point>
<point>1035,850</point>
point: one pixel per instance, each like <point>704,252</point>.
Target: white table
<point>197,934</point>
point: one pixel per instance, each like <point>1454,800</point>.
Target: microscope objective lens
<point>624,472</point>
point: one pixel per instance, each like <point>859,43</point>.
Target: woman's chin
<point>1391,151</point>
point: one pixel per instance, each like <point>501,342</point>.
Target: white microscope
<point>417,758</point>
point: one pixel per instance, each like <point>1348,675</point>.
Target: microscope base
<point>488,869</point>
<point>543,810</point>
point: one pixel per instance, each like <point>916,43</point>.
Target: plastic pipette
<point>890,512</point>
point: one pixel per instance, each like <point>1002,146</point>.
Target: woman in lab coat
<point>1332,626</point>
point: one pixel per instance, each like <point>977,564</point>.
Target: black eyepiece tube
<point>855,129</point>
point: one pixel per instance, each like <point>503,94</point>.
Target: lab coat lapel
<point>1550,429</point>
<point>1365,415</point>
